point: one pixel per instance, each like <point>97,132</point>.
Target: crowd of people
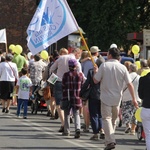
<point>114,90</point>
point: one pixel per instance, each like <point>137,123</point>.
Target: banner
<point>3,36</point>
<point>52,21</point>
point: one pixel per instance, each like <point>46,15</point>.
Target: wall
<point>15,16</point>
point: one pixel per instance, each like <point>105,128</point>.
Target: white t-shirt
<point>24,84</point>
<point>8,71</point>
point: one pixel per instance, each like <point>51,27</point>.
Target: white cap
<point>113,46</point>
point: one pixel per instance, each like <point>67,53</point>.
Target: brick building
<point>15,16</point>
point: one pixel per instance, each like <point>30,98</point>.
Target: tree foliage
<point>109,21</point>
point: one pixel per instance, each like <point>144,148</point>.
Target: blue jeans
<point>95,115</point>
<point>25,105</point>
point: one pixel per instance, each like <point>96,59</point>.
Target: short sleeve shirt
<point>112,74</point>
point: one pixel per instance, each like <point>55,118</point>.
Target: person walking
<point>71,86</point>
<point>23,90</point>
<point>111,75</point>
<point>8,75</point>
<point>144,94</point>
<point>61,65</point>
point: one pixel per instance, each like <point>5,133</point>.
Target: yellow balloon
<point>135,49</point>
<point>44,54</point>
<point>138,114</point>
<point>138,64</point>
<point>11,46</point>
<point>145,72</point>
<point>18,49</point>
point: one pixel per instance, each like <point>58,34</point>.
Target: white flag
<point>52,21</point>
<point>3,36</point>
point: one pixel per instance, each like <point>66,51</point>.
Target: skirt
<point>6,89</point>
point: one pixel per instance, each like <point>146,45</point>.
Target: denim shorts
<point>58,92</point>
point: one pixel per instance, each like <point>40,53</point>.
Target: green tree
<point>109,21</point>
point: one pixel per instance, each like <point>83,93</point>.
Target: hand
<point>135,103</point>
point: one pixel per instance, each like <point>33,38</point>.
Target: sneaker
<point>86,130</point>
<point>61,129</point>
<point>7,111</point>
<point>71,120</point>
<point>102,135</point>
<point>83,126</point>
<point>48,113</point>
<point>3,110</point>
<point>110,146</point>
<point>65,134</point>
<point>120,123</point>
<point>127,130</point>
<point>132,132</point>
<point>94,137</point>
<point>77,134</point>
<point>56,115</point>
<point>24,117</point>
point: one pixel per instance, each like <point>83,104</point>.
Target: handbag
<point>85,94</point>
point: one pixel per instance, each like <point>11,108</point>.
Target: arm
<point>131,90</point>
<point>140,88</point>
<point>95,71</point>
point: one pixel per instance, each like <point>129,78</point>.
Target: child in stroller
<point>38,102</point>
<point>140,131</point>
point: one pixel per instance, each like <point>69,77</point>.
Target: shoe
<point>102,135</point>
<point>83,126</point>
<point>61,129</point>
<point>56,115</point>
<point>48,113</point>
<point>127,130</point>
<point>94,137</point>
<point>24,117</point>
<point>52,118</point>
<point>110,146</point>
<point>132,132</point>
<point>7,111</point>
<point>77,134</point>
<point>120,123</point>
<point>3,110</point>
<point>71,120</point>
<point>65,134</point>
<point>86,130</point>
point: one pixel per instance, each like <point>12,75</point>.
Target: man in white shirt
<point>111,75</point>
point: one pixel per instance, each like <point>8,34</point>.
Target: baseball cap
<point>94,49</point>
<point>72,62</point>
<point>113,45</point>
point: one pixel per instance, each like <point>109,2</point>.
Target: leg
<point>146,125</point>
<point>77,121</point>
<point>58,97</point>
<point>86,117</point>
<point>8,105</point>
<point>3,105</point>
<point>19,106</point>
<point>25,108</point>
<point>107,124</point>
<point>67,121</point>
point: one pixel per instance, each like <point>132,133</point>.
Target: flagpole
<point>87,48</point>
<point>80,33</point>
<point>6,42</point>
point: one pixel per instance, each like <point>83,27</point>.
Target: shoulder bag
<point>13,73</point>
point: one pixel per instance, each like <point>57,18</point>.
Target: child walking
<point>71,83</point>
<point>24,90</point>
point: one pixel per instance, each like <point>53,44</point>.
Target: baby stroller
<point>140,131</point>
<point>38,102</point>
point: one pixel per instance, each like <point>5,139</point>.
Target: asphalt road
<point>38,132</point>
